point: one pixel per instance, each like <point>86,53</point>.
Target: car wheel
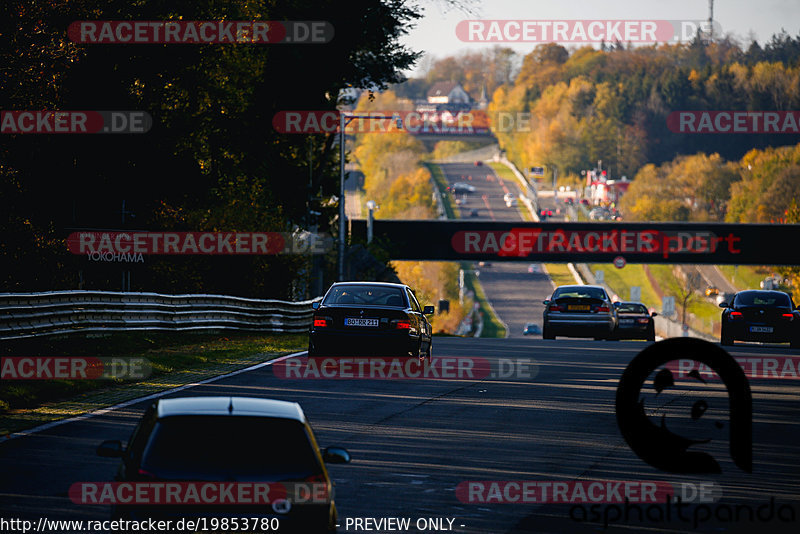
<point>725,338</point>
<point>546,334</point>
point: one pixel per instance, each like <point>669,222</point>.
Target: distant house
<point>448,93</point>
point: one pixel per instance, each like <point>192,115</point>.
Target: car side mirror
<point>428,310</point>
<point>336,455</point>
<point>110,449</point>
<point>545,302</point>
<point>723,304</point>
<point>654,314</point>
<point>617,304</point>
<point>315,305</point>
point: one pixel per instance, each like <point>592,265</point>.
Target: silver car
<point>579,311</point>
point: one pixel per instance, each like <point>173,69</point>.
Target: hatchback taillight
<point>555,307</point>
<point>736,315</point>
<point>643,320</point>
<point>602,308</point>
<point>788,316</point>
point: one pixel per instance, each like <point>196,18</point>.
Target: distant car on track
<point>760,315</point>
<point>218,439</point>
<point>461,188</point>
<point>634,321</point>
<point>370,318</point>
<point>478,163</point>
<point>579,311</point>
<point>531,329</point>
<point>473,213</point>
<point>712,291</point>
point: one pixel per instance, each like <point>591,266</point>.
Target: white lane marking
<point>125,404</point>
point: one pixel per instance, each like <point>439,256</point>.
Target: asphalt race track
<point>413,441</point>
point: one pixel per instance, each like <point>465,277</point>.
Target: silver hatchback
<point>579,311</point>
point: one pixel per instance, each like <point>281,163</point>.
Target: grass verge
<point>176,359</point>
<point>621,281</point>
<point>492,327</point>
<point>450,210</point>
<point>559,274</point>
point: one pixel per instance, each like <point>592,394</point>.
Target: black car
<point>634,321</point>
<point>759,315</point>
<point>207,442</point>
<point>370,318</point>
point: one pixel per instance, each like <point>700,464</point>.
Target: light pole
<point>344,120</point>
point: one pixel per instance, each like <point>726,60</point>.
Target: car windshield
<point>581,292</point>
<point>631,308</point>
<point>232,448</point>
<point>366,295</point>
<point>762,298</point>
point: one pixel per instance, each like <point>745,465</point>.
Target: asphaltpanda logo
<point>655,443</point>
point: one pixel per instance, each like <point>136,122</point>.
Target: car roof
<point>579,286</point>
<point>242,406</point>
<point>387,284</point>
<point>762,291</point>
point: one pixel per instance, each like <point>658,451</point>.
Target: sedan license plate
<point>764,329</point>
<point>578,307</point>
<point>359,321</point>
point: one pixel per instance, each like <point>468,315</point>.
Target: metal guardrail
<point>24,315</point>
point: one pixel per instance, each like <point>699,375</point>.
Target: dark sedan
<point>758,315</point>
<point>579,311</point>
<point>370,318</point>
<point>634,321</point>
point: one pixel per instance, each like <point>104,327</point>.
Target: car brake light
<point>788,316</point>
<point>144,473</point>
<point>555,307</point>
<point>602,308</point>
<point>736,314</point>
<point>402,325</point>
<point>643,320</point>
<point>322,321</point>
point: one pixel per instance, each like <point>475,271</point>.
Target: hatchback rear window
<point>579,292</point>
<point>232,447</point>
<point>762,298</point>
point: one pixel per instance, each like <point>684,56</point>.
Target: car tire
<point>546,334</point>
<point>725,338</point>
<point>651,334</point>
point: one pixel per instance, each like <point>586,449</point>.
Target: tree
<point>689,285</point>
